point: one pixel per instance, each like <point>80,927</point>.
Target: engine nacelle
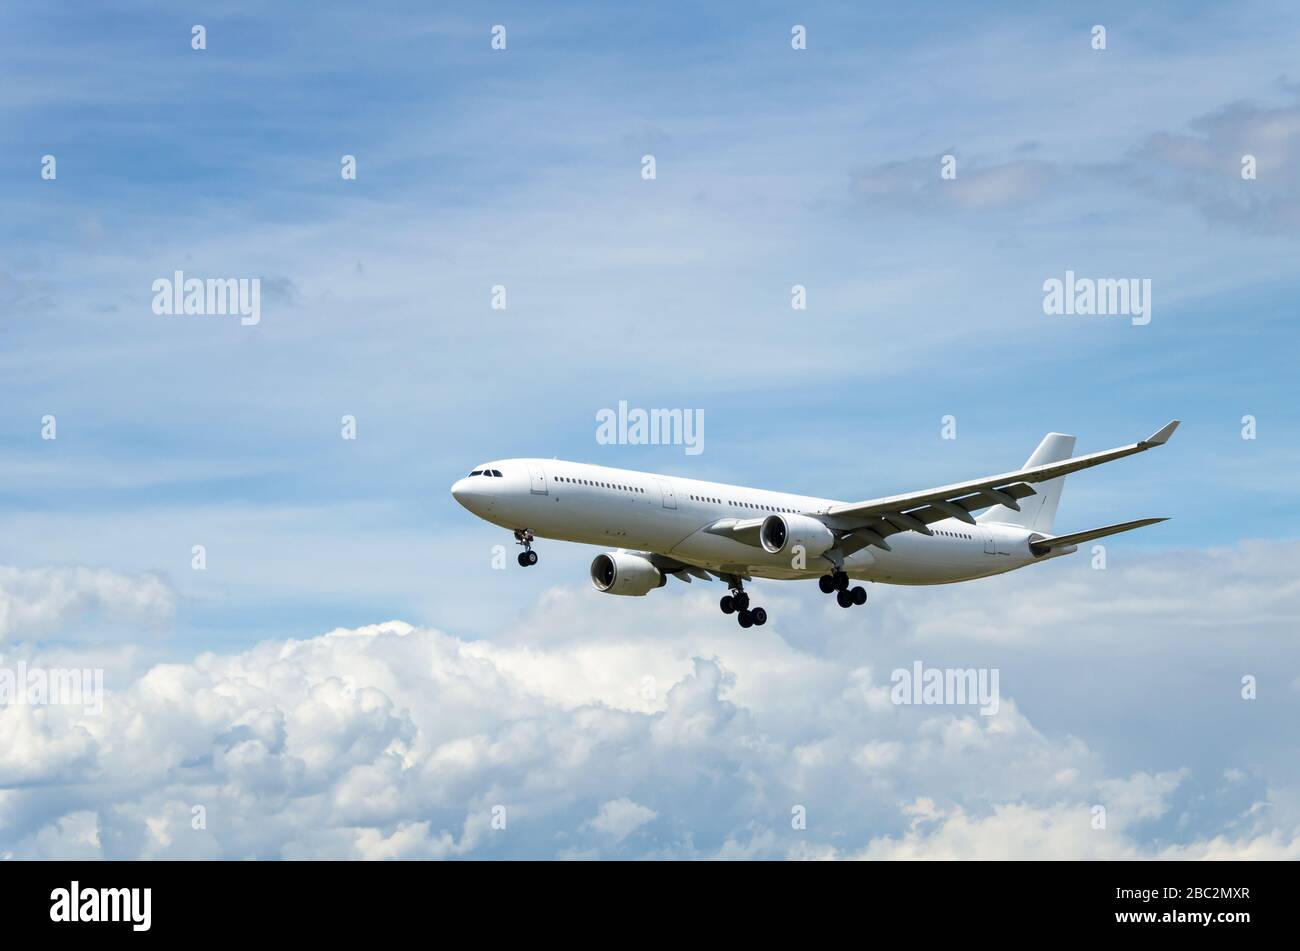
<point>783,533</point>
<point>620,572</point>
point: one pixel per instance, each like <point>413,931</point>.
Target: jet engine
<point>621,572</point>
<point>783,533</point>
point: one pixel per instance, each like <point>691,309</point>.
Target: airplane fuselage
<point>669,515</point>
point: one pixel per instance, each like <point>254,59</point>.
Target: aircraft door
<point>538,477</point>
<point>665,487</point>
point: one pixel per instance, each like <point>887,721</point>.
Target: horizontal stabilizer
<point>1042,546</point>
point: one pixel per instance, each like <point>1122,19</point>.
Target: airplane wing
<point>870,522</point>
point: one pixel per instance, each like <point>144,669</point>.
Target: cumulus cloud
<point>619,818</point>
<point>1066,830</point>
<point>38,601</point>
<point>649,728</point>
<point>1059,830</point>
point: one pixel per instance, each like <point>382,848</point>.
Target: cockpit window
<point>477,472</point>
<point>497,473</point>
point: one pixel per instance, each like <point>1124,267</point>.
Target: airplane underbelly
<point>918,560</point>
<point>704,548</point>
<point>575,516</point>
<point>727,554</point>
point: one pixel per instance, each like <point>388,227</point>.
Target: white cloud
<point>391,740</point>
<point>38,601</point>
<point>1057,831</point>
<point>619,818</point>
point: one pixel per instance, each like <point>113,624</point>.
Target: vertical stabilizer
<point>1037,512</point>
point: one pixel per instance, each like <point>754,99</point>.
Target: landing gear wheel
<point>759,616</point>
<point>841,581</point>
<point>844,599</point>
<point>526,557</point>
<point>728,604</point>
<point>826,583</point>
<point>746,619</point>
<point>741,601</point>
<point>859,595</point>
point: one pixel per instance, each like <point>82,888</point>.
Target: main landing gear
<point>526,557</point>
<point>838,583</point>
<point>737,603</point>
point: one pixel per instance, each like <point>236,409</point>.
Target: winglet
<point>1162,437</point>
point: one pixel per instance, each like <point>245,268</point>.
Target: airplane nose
<point>474,494</point>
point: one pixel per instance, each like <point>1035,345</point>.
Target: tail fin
<point>1037,512</point>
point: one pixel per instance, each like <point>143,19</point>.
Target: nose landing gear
<point>738,603</point>
<point>527,557</point>
<point>837,582</point>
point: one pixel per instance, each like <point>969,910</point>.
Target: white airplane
<point>667,525</point>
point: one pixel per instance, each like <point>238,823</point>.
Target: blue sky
<point>522,167</point>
